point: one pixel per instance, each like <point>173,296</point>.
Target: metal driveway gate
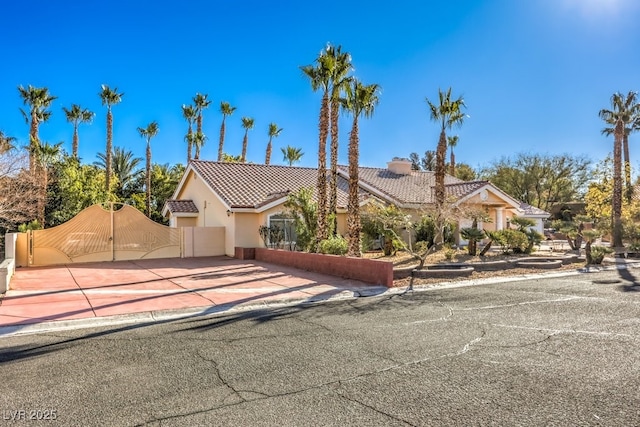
<point>99,234</point>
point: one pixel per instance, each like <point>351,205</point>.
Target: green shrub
<point>449,253</point>
<point>511,241</point>
<point>598,253</point>
<point>425,231</point>
<point>367,242</point>
<point>33,225</point>
<point>335,245</point>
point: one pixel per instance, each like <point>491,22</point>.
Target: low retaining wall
<point>370,271</point>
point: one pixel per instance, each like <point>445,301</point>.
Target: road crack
<point>373,408</point>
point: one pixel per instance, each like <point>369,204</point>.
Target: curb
<point>176,314</point>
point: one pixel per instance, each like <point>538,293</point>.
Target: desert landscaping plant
<point>598,253</point>
<point>334,245</point>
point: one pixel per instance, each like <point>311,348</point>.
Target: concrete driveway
<point>80,294</point>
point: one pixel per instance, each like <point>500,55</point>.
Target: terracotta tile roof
<point>255,185</point>
<point>414,188</point>
<point>464,188</point>
<point>532,210</point>
<point>182,206</point>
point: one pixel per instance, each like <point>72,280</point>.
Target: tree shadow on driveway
<point>633,284</point>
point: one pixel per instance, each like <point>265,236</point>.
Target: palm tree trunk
<point>245,142</point>
<point>189,144</point>
<point>627,168</point>
<point>267,158</point>
<point>452,166</point>
<point>333,185</point>
<point>43,196</point>
<point>148,179</point>
<point>322,231</point>
<point>353,205</point>
<point>441,152</point>
<point>108,150</point>
<point>74,145</point>
<point>616,203</point>
<point>33,141</point>
<point>221,143</point>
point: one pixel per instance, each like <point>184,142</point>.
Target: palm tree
<point>619,116</point>
<point>197,140</point>
<point>189,114</point>
<point>46,155</point>
<point>39,100</point>
<point>247,124</point>
<point>291,154</point>
<point>629,109</point>
<point>360,100</point>
<point>6,142</point>
<point>448,112</point>
<point>339,64</point>
<point>125,169</point>
<point>319,75</point>
<point>201,103</point>
<point>149,132</point>
<point>453,141</point>
<point>109,97</point>
<point>77,115</point>
<point>226,109</point>
<point>274,132</point>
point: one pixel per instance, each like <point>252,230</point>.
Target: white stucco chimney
<point>400,166</point>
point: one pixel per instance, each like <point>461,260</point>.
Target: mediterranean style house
<point>241,197</point>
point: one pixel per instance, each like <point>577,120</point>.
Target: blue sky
<point>534,74</point>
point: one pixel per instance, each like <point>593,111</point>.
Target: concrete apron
<point>81,295</point>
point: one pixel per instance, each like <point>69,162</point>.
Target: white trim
<point>185,214</point>
<point>493,189</point>
<point>272,204</point>
<point>198,175</point>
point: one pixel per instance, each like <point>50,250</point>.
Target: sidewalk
<point>80,295</point>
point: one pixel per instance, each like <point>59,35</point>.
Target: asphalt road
<point>559,352</point>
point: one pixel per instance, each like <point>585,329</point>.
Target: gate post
<point>29,248</point>
<point>113,252</point>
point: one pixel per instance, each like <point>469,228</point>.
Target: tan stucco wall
<point>211,211</point>
<point>203,241</point>
<point>186,222</point>
<point>246,232</point>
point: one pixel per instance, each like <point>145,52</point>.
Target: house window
<point>285,224</point>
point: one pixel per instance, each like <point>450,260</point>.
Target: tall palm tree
<point>629,110</point>
<point>197,140</point>
<point>247,124</point>
<point>274,132</point>
<point>125,169</point>
<point>201,103</point>
<point>109,97</point>
<point>149,132</point>
<point>291,154</point>
<point>319,75</point>
<point>77,115</point>
<point>6,142</point>
<point>619,116</point>
<point>453,141</point>
<point>39,100</point>
<point>448,113</point>
<point>190,115</point>
<point>46,155</point>
<point>339,64</point>
<point>226,109</point>
<point>360,100</point>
